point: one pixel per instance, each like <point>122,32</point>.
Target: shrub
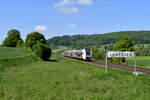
<point>20,44</point>
<point>42,50</point>
<point>97,54</point>
<point>33,38</point>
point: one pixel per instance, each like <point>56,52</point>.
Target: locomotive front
<point>87,54</point>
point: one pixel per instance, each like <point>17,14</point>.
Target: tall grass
<point>15,56</point>
<point>65,79</point>
<point>15,61</point>
<point>10,57</point>
<point>6,52</point>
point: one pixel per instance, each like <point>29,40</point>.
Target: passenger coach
<point>84,54</point>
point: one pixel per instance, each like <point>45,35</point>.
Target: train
<point>83,54</point>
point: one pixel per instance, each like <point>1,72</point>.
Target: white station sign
<point>116,54</point>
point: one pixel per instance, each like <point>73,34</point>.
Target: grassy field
<point>12,52</point>
<point>141,61</point>
<point>15,56</point>
<point>65,79</point>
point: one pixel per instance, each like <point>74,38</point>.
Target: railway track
<point>116,66</point>
<point>119,66</point>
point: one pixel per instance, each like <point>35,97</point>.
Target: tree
<point>33,38</point>
<point>42,50</point>
<point>20,44</point>
<point>97,54</point>
<point>12,38</point>
<point>125,44</point>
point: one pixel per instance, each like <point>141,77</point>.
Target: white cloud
<point>40,28</point>
<point>63,3</point>
<point>70,10</point>
<point>85,2</point>
<point>72,25</point>
<point>66,6</point>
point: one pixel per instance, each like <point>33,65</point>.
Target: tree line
<point>96,40</point>
<point>35,41</point>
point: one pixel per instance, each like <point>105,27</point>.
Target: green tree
<point>20,44</point>
<point>42,50</point>
<point>33,38</point>
<point>12,38</point>
<point>125,44</point>
<point>97,54</point>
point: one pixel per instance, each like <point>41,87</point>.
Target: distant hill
<point>96,40</point>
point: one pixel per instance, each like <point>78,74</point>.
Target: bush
<point>42,50</point>
<point>33,38</point>
<point>20,44</point>
<point>97,54</point>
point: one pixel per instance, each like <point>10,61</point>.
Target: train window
<point>87,51</point>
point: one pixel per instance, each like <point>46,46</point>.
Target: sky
<point>70,17</point>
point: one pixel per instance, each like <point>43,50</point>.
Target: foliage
<point>96,40</point>
<point>64,79</point>
<point>142,50</point>
<point>97,54</point>
<point>12,39</point>
<point>33,38</point>
<point>60,49</point>
<point>123,45</point>
<point>43,51</point>
<point>20,44</point>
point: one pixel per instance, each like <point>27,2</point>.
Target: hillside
<point>96,40</point>
<point>13,52</point>
<point>15,56</point>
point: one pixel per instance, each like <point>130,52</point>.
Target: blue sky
<point>69,17</point>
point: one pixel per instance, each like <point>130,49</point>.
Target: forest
<point>96,40</point>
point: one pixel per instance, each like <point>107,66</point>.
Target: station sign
<point>117,54</point>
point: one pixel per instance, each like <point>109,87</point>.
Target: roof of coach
<point>74,50</point>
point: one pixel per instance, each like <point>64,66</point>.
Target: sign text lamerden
<point>116,54</point>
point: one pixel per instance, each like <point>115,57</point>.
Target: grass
<point>6,52</point>
<point>15,56</point>
<point>141,61</point>
<point>65,79</point>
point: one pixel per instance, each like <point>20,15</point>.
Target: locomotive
<point>83,54</point>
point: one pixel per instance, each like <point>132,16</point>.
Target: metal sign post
<point>106,65</point>
<point>135,65</point>
<point>116,54</point>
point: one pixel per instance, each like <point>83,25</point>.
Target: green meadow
<point>66,79</point>
<point>6,52</point>
<point>141,61</point>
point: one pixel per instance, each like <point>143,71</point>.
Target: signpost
<point>117,54</point>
